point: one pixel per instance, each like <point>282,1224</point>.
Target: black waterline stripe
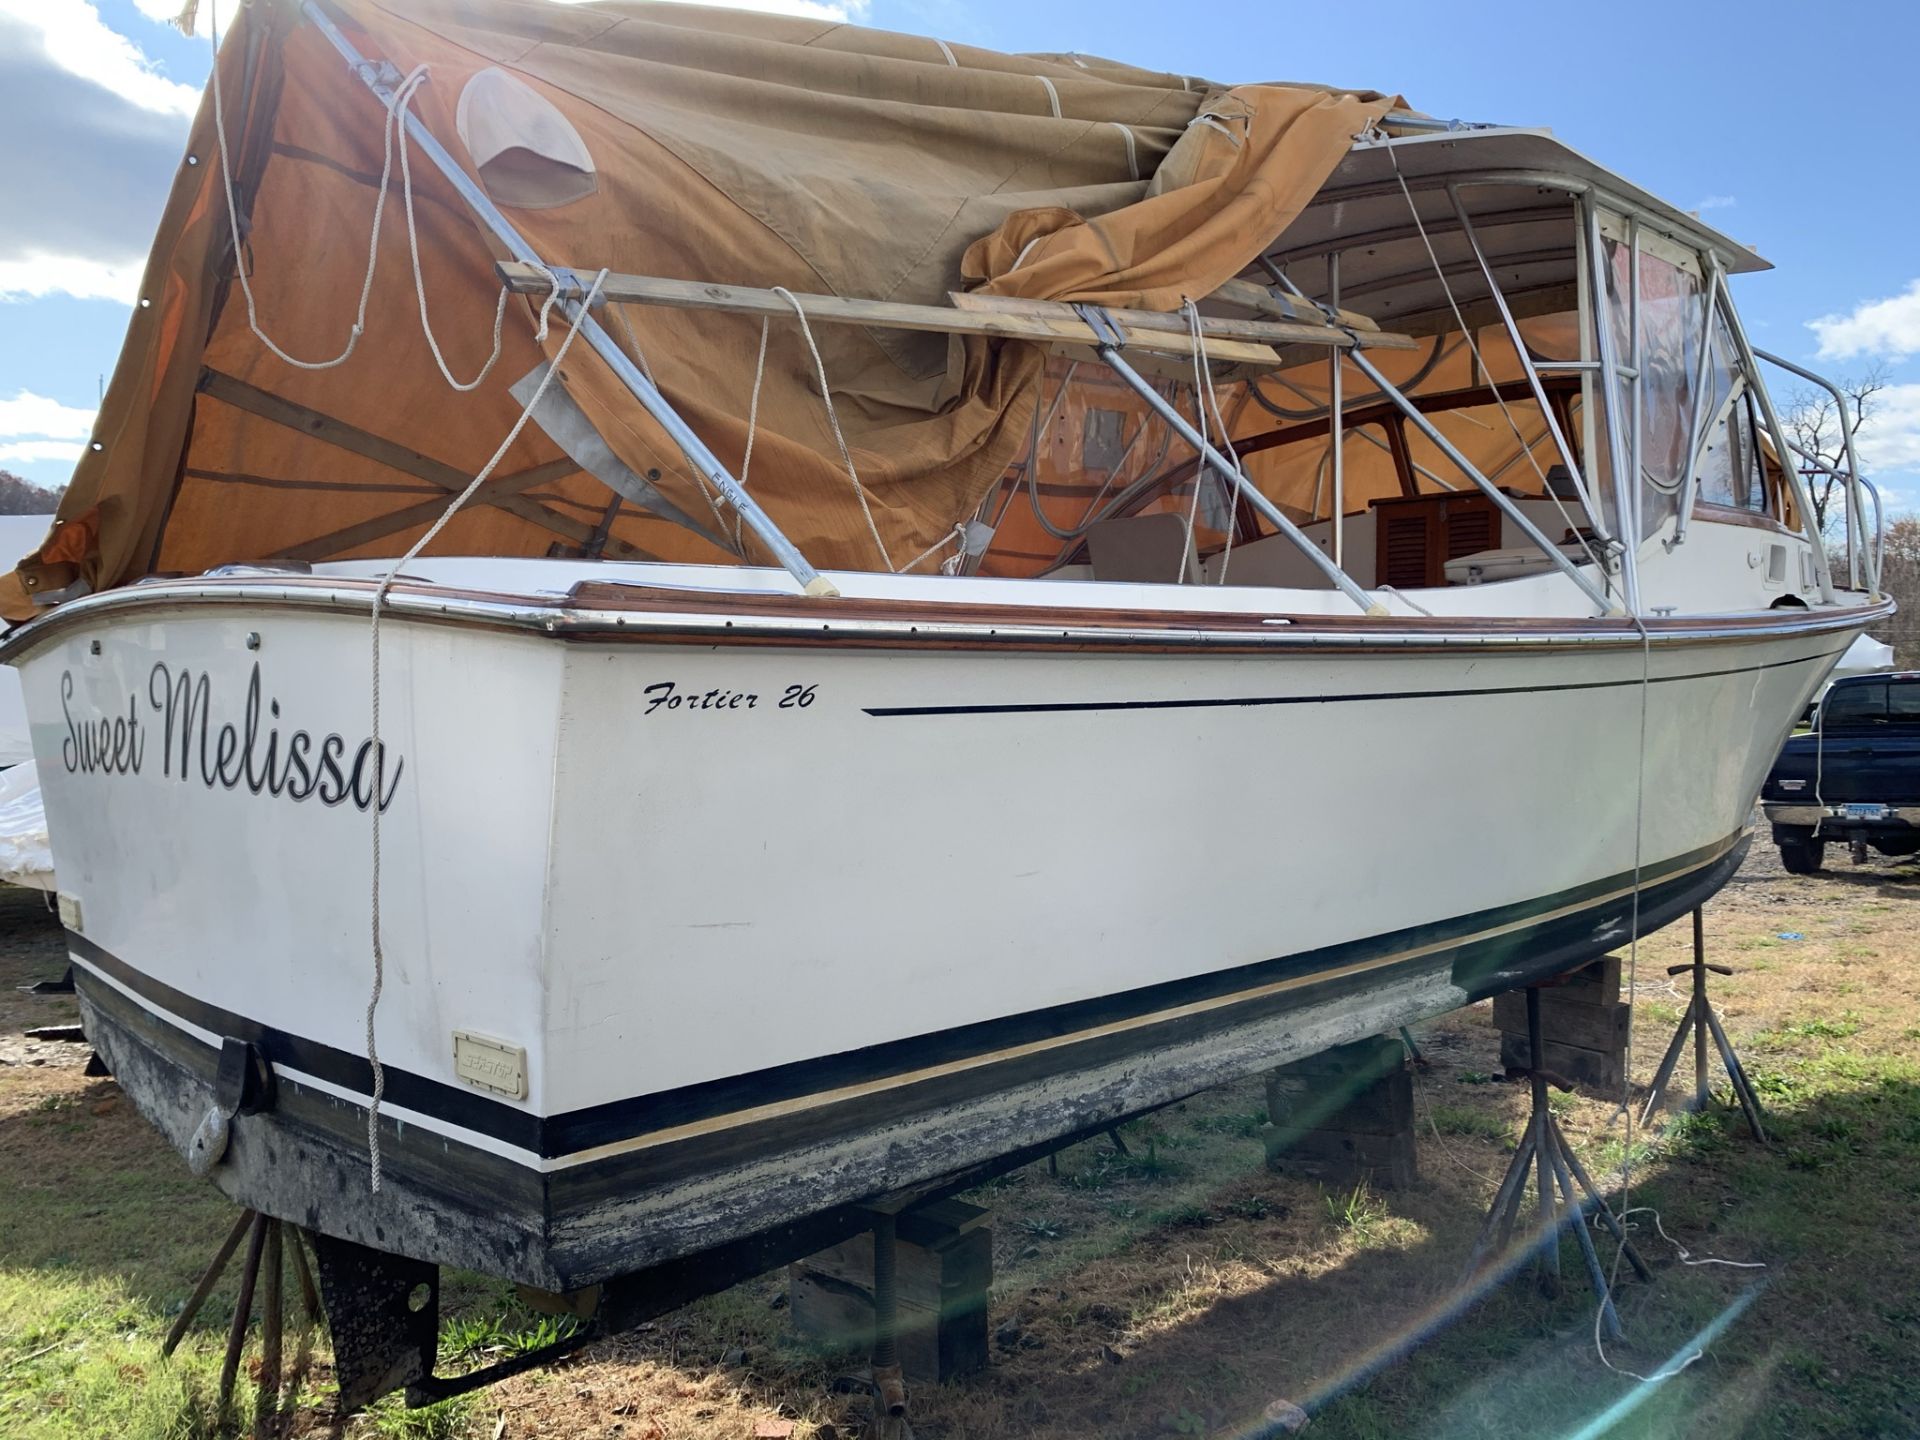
<point>1068,706</point>
<point>617,1120</point>
<point>456,1104</point>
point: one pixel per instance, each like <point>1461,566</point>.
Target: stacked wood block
<point>944,1270</point>
<point>1344,1116</point>
<point>1583,1027</point>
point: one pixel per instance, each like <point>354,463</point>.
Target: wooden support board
<point>1062,328</point>
<point>1150,327</point>
<point>1241,342</point>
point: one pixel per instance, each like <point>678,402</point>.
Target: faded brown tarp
<point>739,148</point>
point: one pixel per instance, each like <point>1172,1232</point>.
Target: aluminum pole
<point>1783,449</point>
<point>1268,511</point>
<point>1493,492</point>
<point>379,78</point>
<point>1336,423</point>
<point>1526,363</point>
<point>1697,432</point>
<point>1617,437</point>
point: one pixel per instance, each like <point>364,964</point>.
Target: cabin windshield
<point>1498,284</point>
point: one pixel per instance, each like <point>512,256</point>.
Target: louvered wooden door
<point>1415,536</point>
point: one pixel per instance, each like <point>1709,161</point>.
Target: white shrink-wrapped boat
<point>983,594</point>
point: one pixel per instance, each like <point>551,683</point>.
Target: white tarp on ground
<point>19,535</point>
<point>1866,656</point>
<point>25,856</point>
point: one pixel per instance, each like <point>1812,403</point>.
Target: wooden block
<point>943,1274</point>
<point>1596,1027</point>
<point>1597,1071</point>
<point>1329,1103</point>
<point>1594,984</point>
<point>1341,1157</point>
<point>1369,1059</point>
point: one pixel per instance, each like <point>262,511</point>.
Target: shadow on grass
<point>1820,1342</point>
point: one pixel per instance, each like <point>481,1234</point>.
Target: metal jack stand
<point>1544,1149</point>
<point>889,1420</point>
<point>1701,1020</point>
<point>267,1240</point>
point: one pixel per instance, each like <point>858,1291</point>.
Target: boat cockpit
<point>1579,397</point>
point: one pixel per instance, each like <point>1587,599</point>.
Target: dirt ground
<point>1183,1289</point>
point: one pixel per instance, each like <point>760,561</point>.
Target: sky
<point>1768,117</point>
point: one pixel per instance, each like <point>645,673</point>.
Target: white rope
<point>1686,1255</point>
<point>401,100</point>
<point>956,535</point>
<point>1626,1070</point>
<point>1203,388</point>
<point>1053,95</point>
<point>233,216</point>
<point>833,419</point>
<point>753,423</point>
<point>1627,1207</point>
<point>947,50</point>
<point>379,751</point>
<point>1133,154</point>
<point>633,342</point>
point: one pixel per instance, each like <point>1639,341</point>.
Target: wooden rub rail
<point>1245,342</point>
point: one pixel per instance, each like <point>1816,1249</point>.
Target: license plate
<point>1864,812</point>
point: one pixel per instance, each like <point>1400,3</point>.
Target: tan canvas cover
<point>719,145</point>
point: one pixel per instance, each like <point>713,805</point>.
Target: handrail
<point>1821,467</point>
<point>1854,510</point>
<point>1624,506</point>
<point>1801,497</point>
<point>379,78</point>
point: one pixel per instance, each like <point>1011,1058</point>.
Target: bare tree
<point>1813,422</point>
<point>1901,580</point>
<point>23,497</point>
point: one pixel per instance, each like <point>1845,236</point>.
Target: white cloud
<point>28,277</point>
<point>31,452</point>
<point>80,200</point>
<point>1890,440</point>
<point>1888,328</point>
<point>35,429</point>
<point>1714,202</point>
<point>30,414</point>
<point>74,37</point>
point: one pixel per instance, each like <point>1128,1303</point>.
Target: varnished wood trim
<point>1709,514</point>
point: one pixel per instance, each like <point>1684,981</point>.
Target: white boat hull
<point>781,924</point>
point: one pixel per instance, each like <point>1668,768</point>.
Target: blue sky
<point>1772,116</point>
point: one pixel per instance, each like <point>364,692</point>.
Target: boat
<point>516,802</point>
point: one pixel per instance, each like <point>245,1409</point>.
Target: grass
<point>1177,1290</point>
<point>1469,1120</point>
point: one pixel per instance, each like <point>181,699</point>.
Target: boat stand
<point>268,1241</point>
<point>889,1419</point>
<point>1545,1151</point>
<point>1701,1021</point>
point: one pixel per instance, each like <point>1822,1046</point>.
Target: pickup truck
<point>1854,779</point>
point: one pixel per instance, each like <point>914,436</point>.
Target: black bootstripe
<point>1077,706</point>
<point>619,1121</point>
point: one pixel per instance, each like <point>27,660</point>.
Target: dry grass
<point>1183,1289</point>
